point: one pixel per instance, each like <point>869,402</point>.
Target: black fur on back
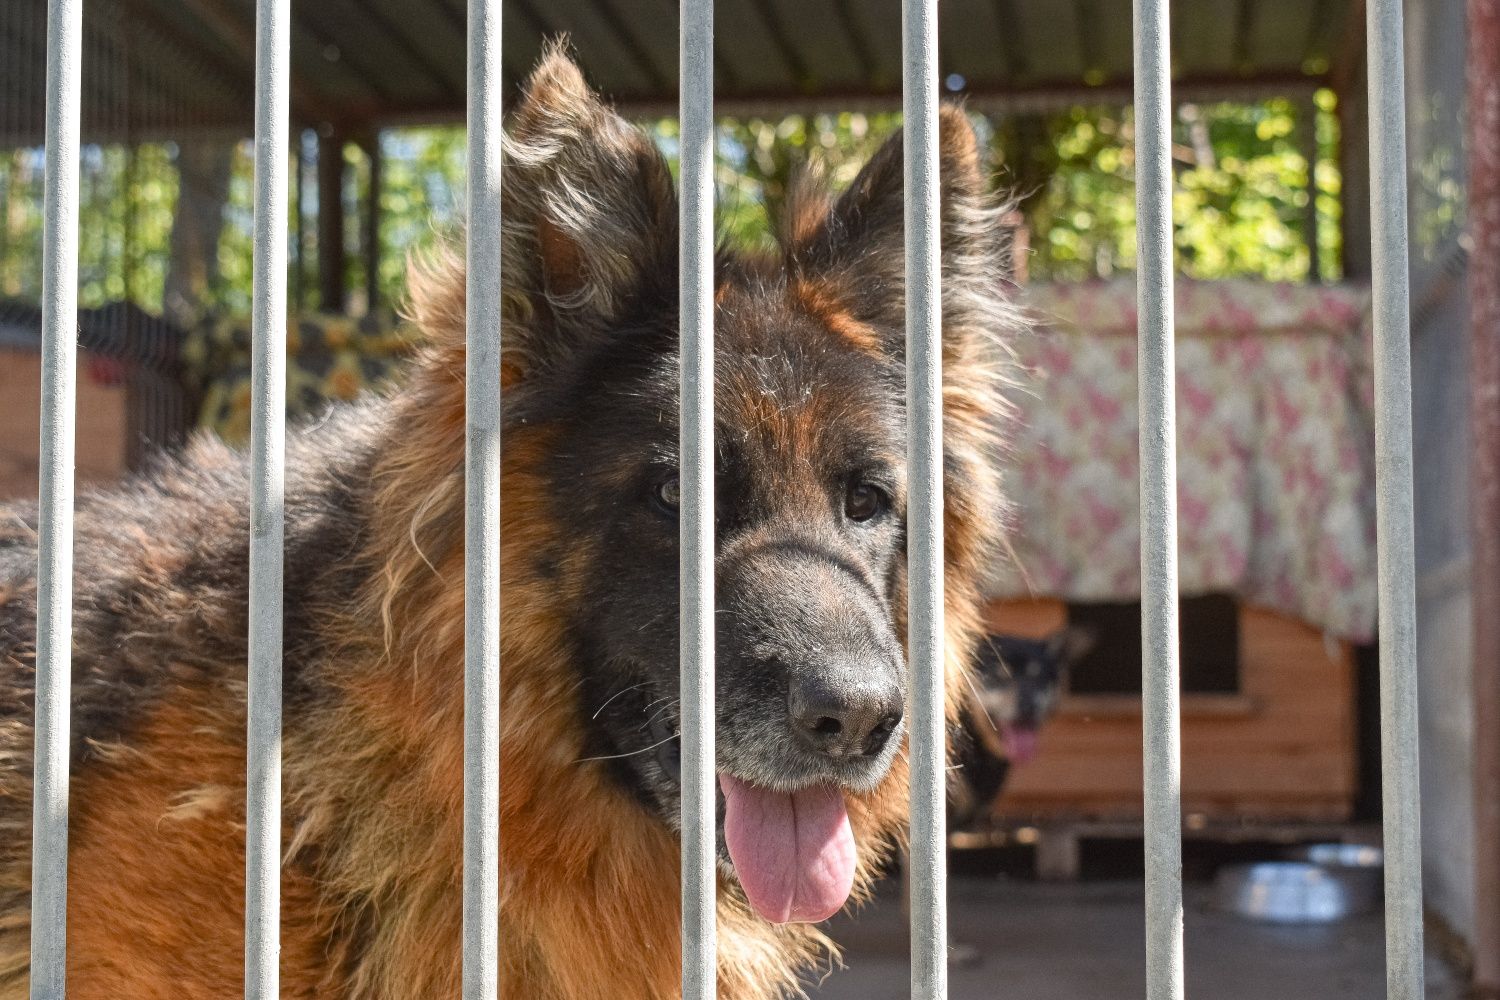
<point>160,572</point>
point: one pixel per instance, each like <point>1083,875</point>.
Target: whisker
<point>617,756</point>
<point>633,687</point>
<point>654,619</point>
<point>666,706</point>
<point>979,703</point>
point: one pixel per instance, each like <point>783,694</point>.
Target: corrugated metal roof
<point>156,65</point>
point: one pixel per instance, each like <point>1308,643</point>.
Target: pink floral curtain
<point>1274,436</point>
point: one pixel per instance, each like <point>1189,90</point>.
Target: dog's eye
<point>668,495</point>
<point>864,501</point>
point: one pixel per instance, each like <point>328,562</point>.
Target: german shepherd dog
<point>1018,684</point>
<point>812,676</point>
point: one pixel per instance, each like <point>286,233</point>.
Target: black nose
<point>846,718</point>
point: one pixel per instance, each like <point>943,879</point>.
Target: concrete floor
<point>1084,941</point>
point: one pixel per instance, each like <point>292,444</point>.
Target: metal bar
<point>54,624</point>
<point>924,389</point>
<point>1158,442</point>
<point>696,250</point>
<point>1395,532</point>
<point>273,43</point>
<point>1483,129</point>
<point>481,893</point>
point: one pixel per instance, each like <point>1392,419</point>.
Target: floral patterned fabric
<point>1275,442</point>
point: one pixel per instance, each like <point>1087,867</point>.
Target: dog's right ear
<point>589,219</point>
<point>1071,643</point>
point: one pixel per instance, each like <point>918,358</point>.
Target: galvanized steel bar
<point>924,404</point>
<point>1158,444</point>
<point>267,512</point>
<point>696,252</point>
<point>54,625</point>
<point>481,890</point>
<point>1395,533</point>
<point>1483,133</point>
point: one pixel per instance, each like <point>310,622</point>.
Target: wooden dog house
<point>131,399</point>
<point>1276,522</point>
<point>1280,750</point>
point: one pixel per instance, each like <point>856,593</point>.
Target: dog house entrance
<point>1209,636</point>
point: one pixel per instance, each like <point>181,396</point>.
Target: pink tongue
<point>793,852</point>
<point>1020,742</point>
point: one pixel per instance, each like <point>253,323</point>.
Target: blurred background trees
<point>1244,205</point>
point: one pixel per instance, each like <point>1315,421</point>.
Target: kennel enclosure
<point>275,98</point>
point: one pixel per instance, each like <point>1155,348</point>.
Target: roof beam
<point>1319,28</point>
<point>633,46</point>
<point>1042,95</point>
<point>155,96</point>
<point>783,43</point>
<point>1244,27</point>
<point>534,18</point>
<point>458,20</point>
<point>1008,20</point>
<point>146,15</point>
<point>429,66</point>
<point>1351,55</point>
<point>307,102</point>
<point>1090,51</point>
<point>371,77</point>
<point>857,42</point>
<point>722,69</point>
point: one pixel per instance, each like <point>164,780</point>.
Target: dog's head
<point>811,493</point>
<point>1019,684</point>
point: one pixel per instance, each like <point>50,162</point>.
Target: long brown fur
<point>373,747</point>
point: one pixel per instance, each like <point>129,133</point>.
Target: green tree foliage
<point>127,196</point>
<point>1241,192</point>
<point>422,197</point>
<point>1240,204</point>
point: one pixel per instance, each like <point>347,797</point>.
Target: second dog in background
<point>1018,685</point>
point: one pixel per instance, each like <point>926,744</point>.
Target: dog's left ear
<point>1071,643</point>
<point>855,249</point>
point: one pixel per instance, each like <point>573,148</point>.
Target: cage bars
<point>54,626</point>
<point>925,569</point>
<point>1160,681</point>
<point>924,395</point>
<point>1394,524</point>
<point>696,625</point>
<point>267,510</point>
<point>481,879</point>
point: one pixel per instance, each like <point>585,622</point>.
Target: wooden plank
<point>102,421</point>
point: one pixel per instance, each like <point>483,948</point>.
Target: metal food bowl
<point>1355,856</point>
<point>1296,892</point>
